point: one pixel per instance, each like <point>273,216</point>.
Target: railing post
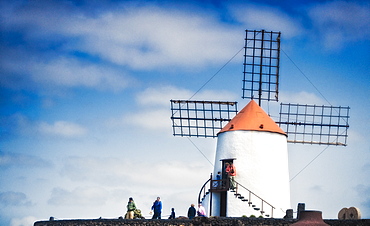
<point>272,212</point>
<point>210,198</point>
<point>210,203</point>
<point>262,212</point>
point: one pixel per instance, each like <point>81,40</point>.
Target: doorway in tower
<point>223,194</point>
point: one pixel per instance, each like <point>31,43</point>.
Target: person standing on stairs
<point>231,173</point>
<point>218,183</point>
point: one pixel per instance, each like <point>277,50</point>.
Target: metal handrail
<point>203,189</point>
<point>252,193</point>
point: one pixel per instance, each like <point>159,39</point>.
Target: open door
<point>223,201</point>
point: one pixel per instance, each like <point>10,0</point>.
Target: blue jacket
<point>157,206</point>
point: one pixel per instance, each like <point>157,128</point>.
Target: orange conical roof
<point>252,117</point>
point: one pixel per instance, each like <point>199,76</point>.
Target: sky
<point>85,90</point>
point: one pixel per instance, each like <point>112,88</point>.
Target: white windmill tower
<point>257,147</point>
<point>251,140</point>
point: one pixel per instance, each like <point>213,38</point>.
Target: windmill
<point>251,140</point>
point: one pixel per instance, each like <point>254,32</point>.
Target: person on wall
<point>173,215</point>
<point>192,212</point>
<point>157,208</point>
<point>130,209</point>
<point>201,211</point>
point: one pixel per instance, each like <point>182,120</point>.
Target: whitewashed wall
<point>262,167</point>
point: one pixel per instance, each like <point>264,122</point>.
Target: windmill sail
<point>305,124</point>
<point>201,118</point>
<point>312,124</point>
<point>261,65</point>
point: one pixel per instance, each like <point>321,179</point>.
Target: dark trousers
<point>156,215</point>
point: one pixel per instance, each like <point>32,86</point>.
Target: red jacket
<point>230,170</point>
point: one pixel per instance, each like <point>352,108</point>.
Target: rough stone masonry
<point>197,221</point>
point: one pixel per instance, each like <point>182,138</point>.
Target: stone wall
<point>204,221</point>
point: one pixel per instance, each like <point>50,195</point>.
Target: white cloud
<point>54,72</point>
<point>301,98</point>
<point>144,37</point>
<point>363,192</point>
<point>161,96</point>
<point>69,72</point>
<point>25,221</point>
<point>113,180</point>
<point>21,161</point>
<point>216,95</point>
<point>155,106</point>
<point>355,136</point>
<point>124,173</point>
<point>341,22</point>
<point>62,128</point>
<point>11,198</point>
<point>150,37</point>
<point>149,119</point>
<point>80,196</point>
<point>65,129</point>
<point>266,17</point>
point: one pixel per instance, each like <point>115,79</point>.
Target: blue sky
<point>86,88</point>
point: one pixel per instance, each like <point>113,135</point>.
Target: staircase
<point>242,193</point>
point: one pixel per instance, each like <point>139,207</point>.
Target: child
<point>172,216</point>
